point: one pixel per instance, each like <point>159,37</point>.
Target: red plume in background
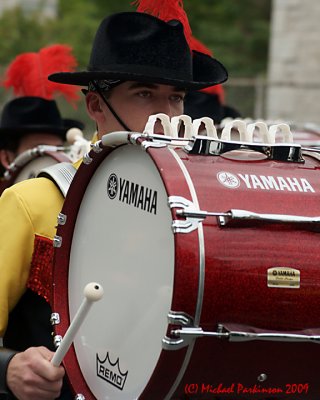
<point>166,10</point>
<point>28,73</point>
<point>195,44</point>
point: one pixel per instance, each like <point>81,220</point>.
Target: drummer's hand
<point>31,375</point>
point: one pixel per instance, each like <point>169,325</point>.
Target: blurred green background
<point>237,32</point>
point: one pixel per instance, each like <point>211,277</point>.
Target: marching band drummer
<point>30,121</point>
<point>140,65</point>
<point>33,117</point>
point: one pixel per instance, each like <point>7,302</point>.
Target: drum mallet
<point>92,292</point>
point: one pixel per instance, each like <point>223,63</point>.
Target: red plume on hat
<point>28,73</point>
<point>166,10</point>
<point>195,44</point>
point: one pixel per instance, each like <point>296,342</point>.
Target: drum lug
<point>190,223</point>
<point>79,396</point>
<point>173,344</point>
<point>134,137</point>
<point>146,145</point>
<point>62,218</point>
<point>97,147</point>
<point>180,318</point>
<point>55,319</point>
<point>87,159</point>
<point>184,337</point>
<point>57,339</point>
<point>177,318</point>
<point>57,241</point>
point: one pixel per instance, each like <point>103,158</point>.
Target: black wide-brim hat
<point>33,115</point>
<point>134,46</point>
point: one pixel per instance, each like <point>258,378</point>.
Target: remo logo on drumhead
<point>111,372</point>
<point>229,180</point>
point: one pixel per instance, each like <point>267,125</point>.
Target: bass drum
<point>29,163</point>
<point>200,302</point>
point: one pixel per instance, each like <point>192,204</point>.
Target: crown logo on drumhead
<point>111,372</point>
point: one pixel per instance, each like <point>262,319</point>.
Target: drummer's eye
<point>144,93</point>
<point>177,98</point>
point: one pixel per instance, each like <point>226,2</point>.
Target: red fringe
<point>41,273</point>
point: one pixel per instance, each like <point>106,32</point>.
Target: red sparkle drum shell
<point>35,161</point>
<point>216,275</point>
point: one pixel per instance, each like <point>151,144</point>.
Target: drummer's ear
<point>6,157</point>
<point>93,105</point>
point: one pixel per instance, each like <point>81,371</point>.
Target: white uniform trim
<point>61,174</point>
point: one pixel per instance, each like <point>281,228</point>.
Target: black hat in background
<point>33,115</point>
<point>34,109</point>
<point>140,47</point>
<point>201,104</point>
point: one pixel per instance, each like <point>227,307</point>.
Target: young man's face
<point>28,141</point>
<point>31,140</point>
<point>134,102</point>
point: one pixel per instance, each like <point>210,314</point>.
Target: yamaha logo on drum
<point>251,181</point>
<point>132,193</point>
<point>112,186</point>
<point>111,372</point>
<point>229,180</point>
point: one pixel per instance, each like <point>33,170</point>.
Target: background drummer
<point>27,122</point>
<point>32,118</point>
<point>139,65</point>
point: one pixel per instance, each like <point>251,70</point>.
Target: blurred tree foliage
<point>237,32</point>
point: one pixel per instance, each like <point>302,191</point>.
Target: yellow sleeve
<point>16,247</point>
<point>27,209</point>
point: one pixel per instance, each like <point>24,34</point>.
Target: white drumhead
<point>32,168</point>
<point>126,244</point>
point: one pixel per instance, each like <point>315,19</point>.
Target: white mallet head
<point>93,291</point>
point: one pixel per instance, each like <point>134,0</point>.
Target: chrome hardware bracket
<point>193,218</point>
<point>177,318</point>
<point>62,219</point>
<point>57,339</point>
<point>287,152</point>
<point>191,333</point>
<point>146,145</point>
<point>97,147</point>
<point>55,319</point>
<point>87,159</point>
<point>133,137</point>
<point>57,241</point>
<point>224,218</point>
